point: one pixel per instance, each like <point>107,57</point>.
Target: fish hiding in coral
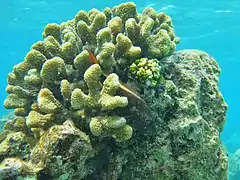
<point>135,99</point>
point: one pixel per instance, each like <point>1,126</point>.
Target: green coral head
<point>147,71</point>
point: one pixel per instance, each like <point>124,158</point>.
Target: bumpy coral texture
<point>75,118</point>
<point>148,71</point>
<point>53,72</point>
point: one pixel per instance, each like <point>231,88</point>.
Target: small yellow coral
<point>37,120</point>
<point>47,102</point>
<point>123,44</point>
<point>53,70</point>
<point>125,11</point>
<point>107,100</point>
<point>113,126</point>
<point>66,90</point>
<point>14,101</point>
<point>115,25</point>
<point>147,71</point>
<point>103,99</point>
<point>123,134</point>
<point>81,61</point>
<point>20,111</point>
<point>52,29</point>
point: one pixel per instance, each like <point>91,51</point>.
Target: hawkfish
<point>122,88</point>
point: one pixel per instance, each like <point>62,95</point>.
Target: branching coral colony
<point>57,89</point>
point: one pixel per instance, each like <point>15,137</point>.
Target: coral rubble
<point>105,96</point>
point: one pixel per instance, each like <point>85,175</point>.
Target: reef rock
<point>183,139</point>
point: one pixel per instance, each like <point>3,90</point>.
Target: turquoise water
<point>209,25</point>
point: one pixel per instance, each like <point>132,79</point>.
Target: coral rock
<point>73,121</point>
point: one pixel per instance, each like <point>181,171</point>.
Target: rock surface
<point>182,141</point>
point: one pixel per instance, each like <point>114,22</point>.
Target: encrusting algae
<point>104,96</point>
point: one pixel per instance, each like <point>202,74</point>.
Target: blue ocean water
<point>209,25</point>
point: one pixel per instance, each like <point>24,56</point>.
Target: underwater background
<point>210,25</point>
